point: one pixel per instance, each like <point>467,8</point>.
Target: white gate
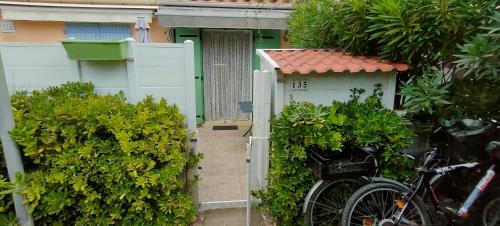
<point>258,145</point>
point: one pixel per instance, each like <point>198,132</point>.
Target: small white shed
<point>323,75</point>
<point>318,76</point>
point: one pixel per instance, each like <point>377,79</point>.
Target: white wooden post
<point>258,146</point>
<point>262,127</point>
<point>131,73</point>
<point>391,90</point>
<point>279,93</point>
<point>11,152</point>
<point>76,71</point>
<point>190,85</point>
<point>249,185</point>
<point>189,78</point>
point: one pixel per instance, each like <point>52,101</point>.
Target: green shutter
<point>265,39</point>
<point>194,34</point>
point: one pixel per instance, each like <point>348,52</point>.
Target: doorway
<point>227,66</point>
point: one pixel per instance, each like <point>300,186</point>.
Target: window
<point>94,31</point>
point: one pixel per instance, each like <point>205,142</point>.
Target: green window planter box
<point>96,49</point>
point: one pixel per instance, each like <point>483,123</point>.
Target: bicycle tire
<point>490,210</point>
<point>486,210</point>
<point>329,188</point>
<point>359,197</point>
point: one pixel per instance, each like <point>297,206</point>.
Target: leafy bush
<point>470,101</point>
<point>302,125</point>
<point>370,124</point>
<point>308,29</point>
<point>97,160</point>
<point>480,57</point>
<point>471,91</point>
<point>7,212</point>
<point>427,93</point>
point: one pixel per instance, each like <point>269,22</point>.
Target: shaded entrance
<point>227,57</point>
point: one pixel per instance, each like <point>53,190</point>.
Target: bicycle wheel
<point>327,202</point>
<point>491,213</point>
<point>377,205</point>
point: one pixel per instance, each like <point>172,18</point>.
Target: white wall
<point>324,88</point>
<point>161,70</point>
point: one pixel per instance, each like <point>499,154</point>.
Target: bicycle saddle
<point>370,150</point>
<point>416,152</point>
<point>493,145</point>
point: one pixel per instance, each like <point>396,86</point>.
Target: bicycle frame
<point>423,181</point>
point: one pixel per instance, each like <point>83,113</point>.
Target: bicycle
<point>339,174</point>
<point>392,203</point>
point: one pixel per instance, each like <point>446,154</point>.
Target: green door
<point>264,39</point>
<point>193,34</point>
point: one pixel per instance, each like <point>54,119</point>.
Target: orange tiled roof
<point>305,61</point>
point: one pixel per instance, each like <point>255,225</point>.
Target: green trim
<point>96,49</point>
<point>93,41</point>
<point>264,39</point>
<point>194,34</point>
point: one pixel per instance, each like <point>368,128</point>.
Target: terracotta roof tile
<point>305,61</point>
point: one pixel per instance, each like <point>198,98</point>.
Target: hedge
<point>302,125</point>
<point>98,160</point>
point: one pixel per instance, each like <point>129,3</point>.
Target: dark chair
<point>246,107</point>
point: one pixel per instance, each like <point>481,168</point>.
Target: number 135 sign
<point>300,84</point>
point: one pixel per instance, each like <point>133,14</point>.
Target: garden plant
<point>98,160</point>
<point>302,125</point>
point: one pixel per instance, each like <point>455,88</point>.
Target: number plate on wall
<point>300,84</point>
<point>7,26</point>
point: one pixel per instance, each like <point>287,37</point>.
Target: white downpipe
<point>10,150</point>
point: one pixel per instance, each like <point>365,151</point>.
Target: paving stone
<point>229,217</point>
<point>224,170</point>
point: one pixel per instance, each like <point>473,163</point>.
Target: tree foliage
<point>420,33</point>
<point>470,88</point>
<point>480,57</point>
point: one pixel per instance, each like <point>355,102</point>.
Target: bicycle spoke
<point>324,205</point>
<point>381,205</point>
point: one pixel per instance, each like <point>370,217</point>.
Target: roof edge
<point>262,53</point>
<point>267,6</point>
<point>73,5</point>
<point>344,71</point>
<point>302,61</point>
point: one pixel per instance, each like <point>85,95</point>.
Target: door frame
<point>261,38</point>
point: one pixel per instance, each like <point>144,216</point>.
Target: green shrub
<point>427,93</point>
<point>97,160</point>
<point>480,57</point>
<point>469,101</point>
<point>301,125</point>
<point>7,212</point>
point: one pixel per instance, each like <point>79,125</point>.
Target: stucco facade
<point>53,31</point>
<point>34,31</point>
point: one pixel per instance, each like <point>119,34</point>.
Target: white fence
<point>160,70</point>
<point>258,145</point>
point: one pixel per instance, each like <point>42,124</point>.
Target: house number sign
<point>300,85</point>
<point>7,26</point>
